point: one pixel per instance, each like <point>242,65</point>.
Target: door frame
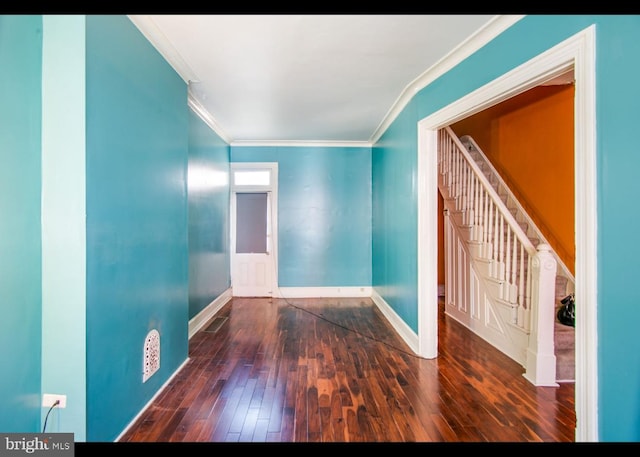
<point>272,219</point>
<point>577,52</point>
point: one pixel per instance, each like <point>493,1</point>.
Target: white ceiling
<point>311,78</point>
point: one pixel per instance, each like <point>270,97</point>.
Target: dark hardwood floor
<point>334,370</point>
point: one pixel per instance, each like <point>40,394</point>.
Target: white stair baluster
<point>507,267</point>
<point>502,234</point>
<point>485,223</point>
<point>489,250</point>
<point>514,265</point>
<point>496,241</point>
<point>521,289</point>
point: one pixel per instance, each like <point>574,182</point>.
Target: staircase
<point>564,338</point>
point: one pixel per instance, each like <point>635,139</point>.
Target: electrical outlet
<point>49,399</point>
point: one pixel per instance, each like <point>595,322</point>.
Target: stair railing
<point>503,185</point>
<point>526,275</point>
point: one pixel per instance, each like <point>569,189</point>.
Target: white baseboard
<point>158,392</point>
<point>197,322</point>
<point>406,333</point>
<point>322,292</point>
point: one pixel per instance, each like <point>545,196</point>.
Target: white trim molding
<point>293,143</point>
<point>151,32</point>
<point>483,36</point>
<point>577,52</point>
<point>322,292</point>
<point>493,28</point>
<point>398,324</point>
<point>150,402</point>
<point>198,321</point>
<point>272,220</point>
<point>206,117</point>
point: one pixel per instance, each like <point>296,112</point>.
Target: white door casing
<point>254,207</point>
<point>577,53</point>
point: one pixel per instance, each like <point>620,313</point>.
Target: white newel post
<point>541,359</point>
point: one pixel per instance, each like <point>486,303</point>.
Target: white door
<point>253,222</point>
<point>252,257</point>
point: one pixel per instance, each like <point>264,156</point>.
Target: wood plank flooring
<point>334,370</point>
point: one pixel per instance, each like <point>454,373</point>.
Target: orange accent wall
<point>530,141</point>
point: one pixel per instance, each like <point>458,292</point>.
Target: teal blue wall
<point>324,213</point>
<point>20,242</point>
<point>63,221</point>
<point>208,183</point>
<point>137,250</point>
<point>618,162</point>
<point>136,208</point>
<point>618,96</point>
<point>395,217</point>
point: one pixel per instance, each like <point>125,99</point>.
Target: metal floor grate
<point>215,324</point>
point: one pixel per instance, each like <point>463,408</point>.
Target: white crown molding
<point>493,28</point>
<point>481,37</point>
<point>197,108</point>
<point>311,143</point>
<point>150,30</point>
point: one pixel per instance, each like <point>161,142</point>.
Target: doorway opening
<point>254,241</point>
<point>577,53</point>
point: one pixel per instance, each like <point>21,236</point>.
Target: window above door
<point>248,177</point>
